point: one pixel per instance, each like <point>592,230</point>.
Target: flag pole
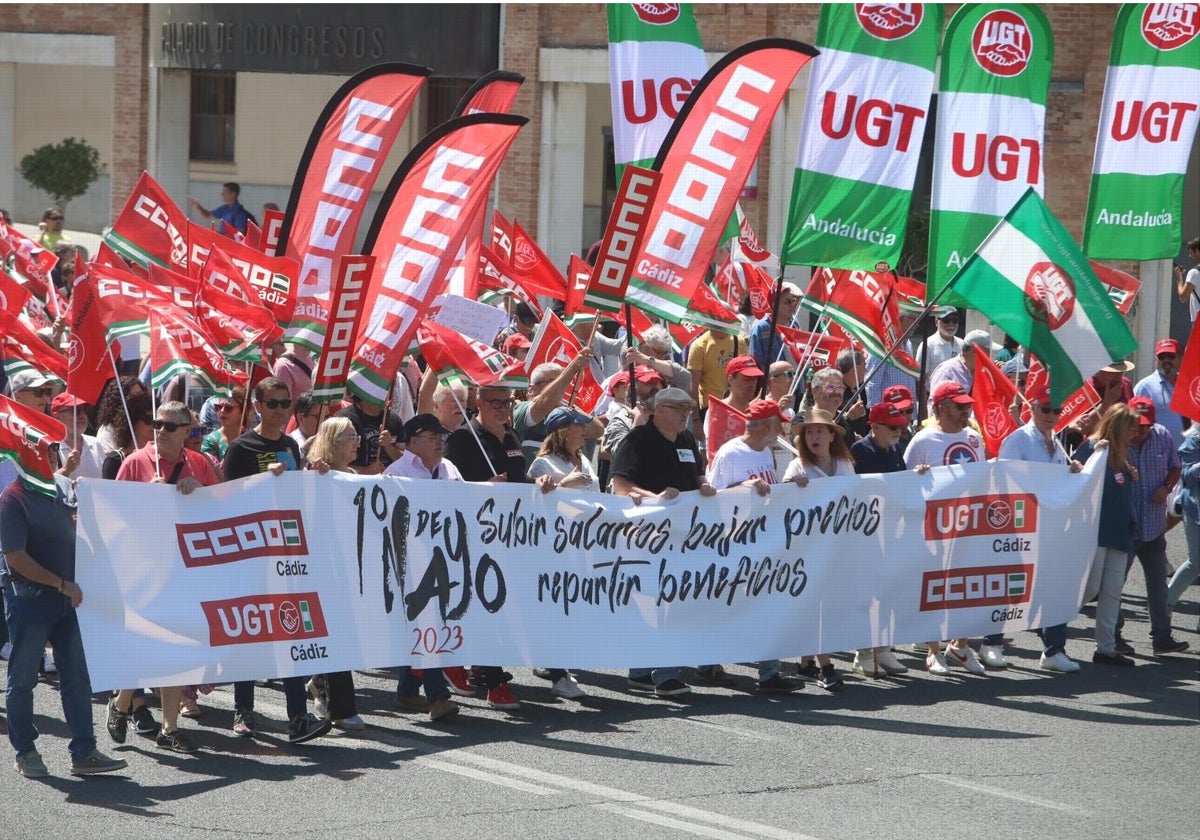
<point>631,396</point>
<point>578,376</point>
<point>474,434</point>
<point>762,385</point>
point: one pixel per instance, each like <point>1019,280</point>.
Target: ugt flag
<point>868,99</point>
<point>1031,279</point>
<point>1147,124</point>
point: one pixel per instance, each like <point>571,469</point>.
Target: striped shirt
<point>1154,459</point>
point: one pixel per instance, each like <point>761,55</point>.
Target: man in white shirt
<point>943,344</point>
<point>1187,288</point>
<point>424,442</point>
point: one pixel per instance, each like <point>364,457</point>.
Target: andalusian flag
<point>1029,277</point>
<point>990,127</point>
<point>1147,124</point>
<point>868,101</point>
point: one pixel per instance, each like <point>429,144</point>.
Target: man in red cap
<point>902,397</point>
<point>517,345</point>
<point>1154,455</point>
<point>1159,387</point>
<point>620,418</point>
<point>747,461</point>
<point>79,455</point>
<point>948,441</point>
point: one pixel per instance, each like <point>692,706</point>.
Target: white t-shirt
<point>798,469</point>
<point>1193,280</point>
<point>560,468</point>
<point>91,458</point>
<point>940,350</point>
<point>936,448</point>
<point>737,461</point>
<point>408,465</point>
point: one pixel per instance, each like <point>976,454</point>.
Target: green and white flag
<point>866,109</point>
<point>990,128</point>
<point>655,58</point>
<point>1030,278</point>
<point>1147,124</point>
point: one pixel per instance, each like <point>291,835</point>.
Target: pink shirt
<point>140,467</point>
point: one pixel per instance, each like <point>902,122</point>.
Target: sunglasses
<point>1170,356</point>
<point>1045,409</point>
<point>790,374</point>
<point>168,426</point>
<point>498,404</point>
<point>55,218</point>
<point>226,406</point>
<point>276,403</point>
<point>41,392</point>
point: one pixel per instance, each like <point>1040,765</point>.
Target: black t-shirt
<point>368,434</point>
<point>252,454</point>
<point>654,463</point>
<point>506,455</point>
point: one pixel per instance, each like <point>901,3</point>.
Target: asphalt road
<point>1103,753</point>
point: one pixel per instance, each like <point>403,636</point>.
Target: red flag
<point>223,301</point>
<point>151,228</point>
<point>416,236</point>
<point>345,315</point>
<point>1122,288</point>
<point>89,365</point>
<point>685,333</point>
<point>492,278</point>
<point>23,345</point>
<point>492,94</point>
<point>735,279</point>
<point>578,274</point>
<point>1073,407</point>
<point>722,423</point>
<point>25,438</point>
<point>623,237</point>
<point>706,309</point>
<point>865,305</point>
<point>819,350</point>
<point>1185,400</point>
<point>554,342</point>
<point>13,296</point>
<point>269,280</point>
<point>993,393</point>
<point>253,237</point>
<point>705,161</point>
<point>345,154</point>
<point>179,345</point>
<point>531,266</point>
<point>448,350</point>
<point>272,224</point>
<point>27,262</point>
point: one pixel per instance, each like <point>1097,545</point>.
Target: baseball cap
<point>898,394</point>
<point>952,391</point>
<point>423,423</point>
<point>563,416</point>
<point>516,342</point>
<point>645,373</point>
<point>65,402</point>
<point>980,338</point>
<point>746,365</point>
<point>763,410</point>
<point>621,377</point>
<point>25,379</point>
<point>943,313</point>
<point>889,414</point>
<point>1144,406</point>
<point>1167,345</point>
<point>676,396</point>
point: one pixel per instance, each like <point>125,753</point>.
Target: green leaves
<point>63,171</point>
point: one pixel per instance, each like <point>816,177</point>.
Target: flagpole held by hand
<point>474,434</point>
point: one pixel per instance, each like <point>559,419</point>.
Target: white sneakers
<point>567,687</point>
<point>935,664</point>
<point>867,663</point>
<point>354,723</point>
<point>889,662</point>
<point>964,657</point>
<point>993,656</point>
<point>1059,662</point>
<point>6,651</point>
<point>48,665</point>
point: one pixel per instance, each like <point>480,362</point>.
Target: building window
<point>442,94</point>
<point>213,99</point>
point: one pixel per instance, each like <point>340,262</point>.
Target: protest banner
<point>284,576</point>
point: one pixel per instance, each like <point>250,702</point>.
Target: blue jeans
<point>1054,639</point>
<point>1189,572</point>
<point>36,615</point>
<point>294,693</point>
<point>432,678</point>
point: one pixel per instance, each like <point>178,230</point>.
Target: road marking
<point>727,730</point>
<point>668,822</point>
<point>480,775</point>
<point>1006,794</point>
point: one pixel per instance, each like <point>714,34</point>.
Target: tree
<point>63,171</point>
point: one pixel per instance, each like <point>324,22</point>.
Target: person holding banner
<point>487,449</point>
<point>657,461</point>
<point>1036,441</point>
<point>821,452</point>
<point>1118,527</point>
<point>265,448</point>
<point>748,461</point>
<point>164,460</point>
<point>37,538</point>
<point>948,441</point>
<point>379,435</point>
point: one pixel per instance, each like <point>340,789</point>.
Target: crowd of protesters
<point>803,423</point>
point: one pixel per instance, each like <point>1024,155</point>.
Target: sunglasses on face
<point>276,403</point>
<point>168,426</point>
<point>225,406</point>
<point>55,218</point>
<point>790,374</point>
<point>42,392</point>
<point>196,433</point>
<point>1168,356</point>
<point>350,439</point>
<point>500,404</point>
<point>1045,409</point>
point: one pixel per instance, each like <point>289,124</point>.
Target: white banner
<point>304,573</point>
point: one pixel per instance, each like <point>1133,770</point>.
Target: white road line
<point>727,730</point>
<point>482,776</point>
<point>668,822</point>
<point>1006,794</point>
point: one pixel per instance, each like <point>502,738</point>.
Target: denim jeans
<point>294,694</point>
<point>433,679</point>
<point>36,615</point>
<point>1054,639</point>
<point>657,675</point>
<point>1189,571</point>
<point>1153,557</point>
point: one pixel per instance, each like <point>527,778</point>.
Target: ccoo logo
<point>657,14</point>
<point>889,21</point>
<point>1002,43</point>
<point>1169,26</point>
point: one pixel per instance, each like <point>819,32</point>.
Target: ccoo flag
<point>869,101</point>
<point>1030,278</point>
<point>1147,124</point>
<point>990,128</point>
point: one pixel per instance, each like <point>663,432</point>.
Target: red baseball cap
<point>763,410</point>
<point>515,342</point>
<point>1167,345</point>
<point>746,365</point>
<point>1040,394</point>
<point>645,373</point>
<point>898,394</point>
<point>1144,406</point>
<point>64,402</point>
<point>619,378</point>
<point>952,391</point>
<point>889,414</point>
